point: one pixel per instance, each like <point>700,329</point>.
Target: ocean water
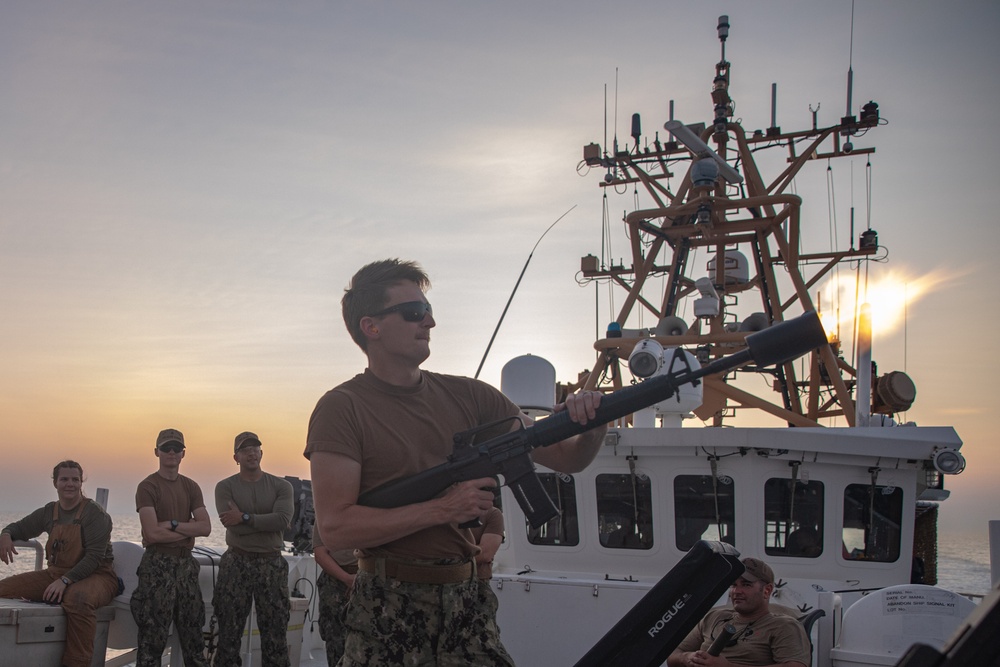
<point>126,529</point>
<point>963,563</point>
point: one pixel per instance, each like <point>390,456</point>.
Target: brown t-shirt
<point>346,558</point>
<point>172,499</point>
<point>395,432</point>
<point>774,638</point>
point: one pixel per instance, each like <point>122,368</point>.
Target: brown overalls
<point>63,550</point>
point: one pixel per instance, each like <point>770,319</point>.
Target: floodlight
<point>646,358</point>
<point>949,462</point>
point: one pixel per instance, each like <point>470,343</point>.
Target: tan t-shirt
<point>771,639</point>
<point>394,432</point>
<point>172,499</point>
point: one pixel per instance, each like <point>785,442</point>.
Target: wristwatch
<point>65,580</point>
<point>173,524</point>
<point>246,517</point>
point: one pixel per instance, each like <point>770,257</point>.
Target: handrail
<point>39,550</point>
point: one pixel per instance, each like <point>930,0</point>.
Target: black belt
<point>415,573</point>
<point>236,551</point>
<point>177,552</point>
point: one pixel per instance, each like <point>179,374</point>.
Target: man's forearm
<point>29,527</point>
<point>271,522</point>
<point>360,527</point>
<point>677,659</point>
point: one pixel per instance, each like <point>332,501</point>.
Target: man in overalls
<point>80,573</point>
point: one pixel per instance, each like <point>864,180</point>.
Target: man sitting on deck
<point>80,575</point>
<point>762,637</point>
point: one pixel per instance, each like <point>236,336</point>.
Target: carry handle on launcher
<point>508,455</point>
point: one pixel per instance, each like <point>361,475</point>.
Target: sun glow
<point>889,295</point>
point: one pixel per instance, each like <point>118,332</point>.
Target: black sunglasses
<point>411,311</point>
<point>172,447</point>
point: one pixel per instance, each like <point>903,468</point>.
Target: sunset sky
<point>187,187</point>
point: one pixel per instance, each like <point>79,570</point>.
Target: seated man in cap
<point>761,638</point>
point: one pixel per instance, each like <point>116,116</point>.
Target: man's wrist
<point>65,580</point>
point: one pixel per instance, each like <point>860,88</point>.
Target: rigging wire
<point>514,291</point>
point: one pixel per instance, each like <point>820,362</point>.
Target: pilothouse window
<point>564,530</point>
<point>625,511</point>
<point>793,517</point>
<point>704,509</point>
<point>872,519</point>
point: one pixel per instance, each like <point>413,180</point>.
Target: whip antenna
<point>514,291</point>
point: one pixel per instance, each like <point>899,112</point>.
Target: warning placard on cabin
<point>917,601</point>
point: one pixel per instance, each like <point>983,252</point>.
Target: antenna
<point>848,119</point>
<point>850,66</point>
<point>774,129</point>
<point>605,118</point>
<point>723,29</point>
<point>616,113</point>
<point>514,291</point>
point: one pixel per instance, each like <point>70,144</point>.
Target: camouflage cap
<point>168,436</point>
<point>245,439</point>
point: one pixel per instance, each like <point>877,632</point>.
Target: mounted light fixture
<point>646,358</point>
<point>949,462</point>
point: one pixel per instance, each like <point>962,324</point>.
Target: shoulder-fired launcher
<point>509,455</point>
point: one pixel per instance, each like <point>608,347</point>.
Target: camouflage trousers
<point>264,582</point>
<point>390,622</point>
<point>168,591</point>
<point>333,598</point>
<point>487,601</point>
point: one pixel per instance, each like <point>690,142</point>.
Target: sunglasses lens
<point>411,311</point>
<point>415,312</point>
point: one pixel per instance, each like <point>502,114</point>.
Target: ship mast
<point>749,227</point>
